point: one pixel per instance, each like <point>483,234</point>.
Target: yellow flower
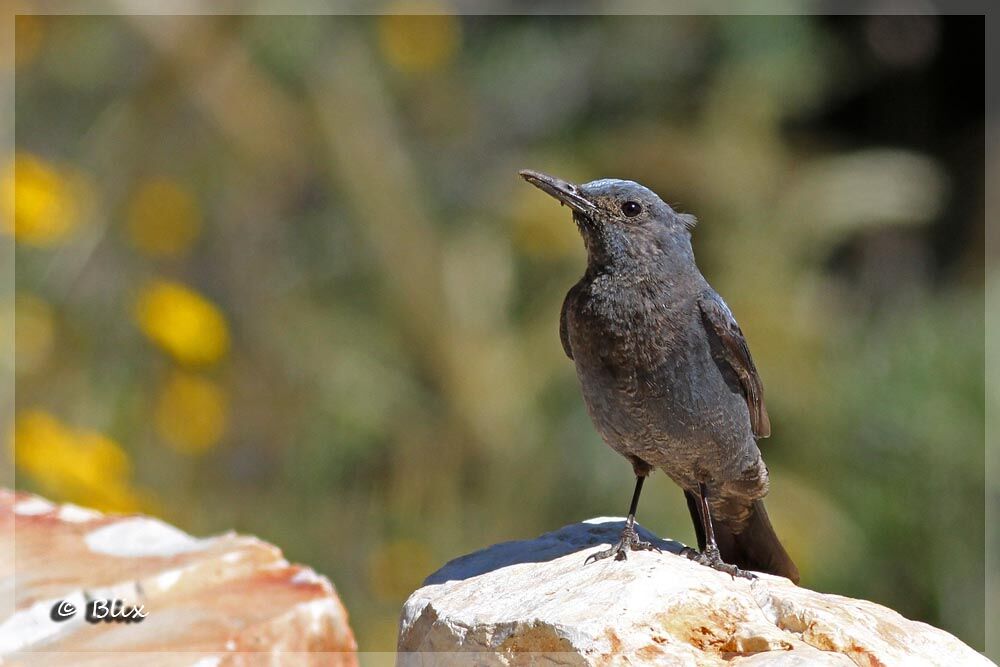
<point>83,467</point>
<point>182,322</point>
<point>191,413</point>
<point>42,203</point>
<point>163,218</point>
<point>423,40</point>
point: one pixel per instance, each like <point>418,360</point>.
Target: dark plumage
<point>666,373</point>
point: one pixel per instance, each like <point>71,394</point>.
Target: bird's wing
<point>564,326</point>
<point>733,350</point>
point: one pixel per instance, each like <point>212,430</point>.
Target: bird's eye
<point>631,209</point>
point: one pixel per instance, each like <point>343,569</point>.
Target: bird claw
<point>711,558</point>
<point>628,541</point>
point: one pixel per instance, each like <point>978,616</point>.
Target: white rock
<point>141,537</point>
<point>223,600</point>
<point>538,597</point>
<point>33,506</point>
<point>76,514</point>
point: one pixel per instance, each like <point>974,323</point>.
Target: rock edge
<point>536,598</point>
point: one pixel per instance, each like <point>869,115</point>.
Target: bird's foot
<point>628,541</point>
<point>711,558</point>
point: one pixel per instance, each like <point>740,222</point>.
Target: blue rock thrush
<point>666,372</point>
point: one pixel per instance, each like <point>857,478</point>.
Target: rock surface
<point>226,600</point>
<point>535,602</point>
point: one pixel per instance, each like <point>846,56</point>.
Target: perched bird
<point>666,372</point>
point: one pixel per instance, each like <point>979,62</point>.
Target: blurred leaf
<point>835,195</point>
<point>416,37</point>
<point>35,333</point>
<point>163,218</point>
<point>397,568</point>
<point>29,33</point>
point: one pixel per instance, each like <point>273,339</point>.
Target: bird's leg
<point>629,539</point>
<point>711,556</point>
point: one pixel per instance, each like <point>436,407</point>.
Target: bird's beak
<point>566,193</point>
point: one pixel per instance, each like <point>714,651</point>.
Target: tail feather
<point>751,544</point>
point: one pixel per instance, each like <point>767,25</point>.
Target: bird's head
<point>625,225</point>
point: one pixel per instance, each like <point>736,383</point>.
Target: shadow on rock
<point>577,537</point>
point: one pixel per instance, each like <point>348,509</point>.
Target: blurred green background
<point>278,274</point>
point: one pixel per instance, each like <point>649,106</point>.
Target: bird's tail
<point>750,544</point>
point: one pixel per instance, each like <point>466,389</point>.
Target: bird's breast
<point>626,330</point>
<point>648,378</point>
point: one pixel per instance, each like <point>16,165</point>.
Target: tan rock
<point>536,602</point>
<point>225,600</point>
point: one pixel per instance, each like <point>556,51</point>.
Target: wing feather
<point>719,321</point>
<point>564,324</point>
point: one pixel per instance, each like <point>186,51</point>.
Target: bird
<point>666,373</point>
